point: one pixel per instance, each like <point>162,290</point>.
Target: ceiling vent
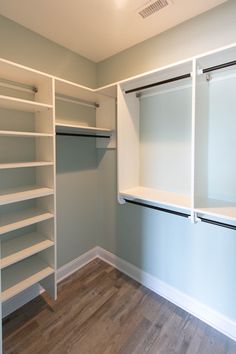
<point>153,6</point>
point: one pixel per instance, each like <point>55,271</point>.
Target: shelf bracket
<point>194,218</point>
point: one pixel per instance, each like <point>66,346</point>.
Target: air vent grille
<point>152,7</point>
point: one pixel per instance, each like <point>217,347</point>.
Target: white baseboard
<point>187,303</point>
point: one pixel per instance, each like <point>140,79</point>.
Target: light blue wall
<point>25,47</point>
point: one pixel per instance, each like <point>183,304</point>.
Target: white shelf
<point>24,274</point>
<point>24,164</point>
<point>9,133</point>
<point>217,208</point>
<point>76,128</point>
<point>13,195</point>
<point>23,247</point>
<point>22,105</point>
<point>164,198</point>
<point>15,220</point>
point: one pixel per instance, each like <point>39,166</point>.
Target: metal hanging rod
<point>85,135</point>
<point>218,67</point>
<point>185,215</point>
<point>76,101</point>
<point>18,86</point>
<point>176,78</point>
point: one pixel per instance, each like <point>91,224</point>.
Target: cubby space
<point>155,138</point>
<point>215,168</point>
<point>82,112</point>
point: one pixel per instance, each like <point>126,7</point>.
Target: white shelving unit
<point>27,181</point>
<point>89,113</point>
<point>176,138</point>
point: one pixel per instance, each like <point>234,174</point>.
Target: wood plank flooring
<point>101,311</point>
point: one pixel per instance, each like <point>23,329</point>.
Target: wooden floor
<point>102,311</point>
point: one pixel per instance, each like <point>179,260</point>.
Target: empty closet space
<point>155,137</point>
<point>215,165</point>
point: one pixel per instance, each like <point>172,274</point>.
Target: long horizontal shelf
<point>16,220</point>
<point>4,166</point>
<point>217,208</point>
<point>13,195</point>
<point>150,195</point>
<point>10,133</point>
<point>22,275</point>
<point>22,247</point>
<point>22,105</point>
<point>76,128</point>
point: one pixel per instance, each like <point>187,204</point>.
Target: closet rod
<point>218,67</point>
<point>76,101</point>
<point>17,86</point>
<point>140,88</point>
<point>85,135</point>
<point>208,221</point>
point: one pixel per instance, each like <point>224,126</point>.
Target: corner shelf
<point>16,220</point>
<point>22,247</point>
<point>217,208</point>
<point>81,129</point>
<point>13,195</point>
<point>22,275</point>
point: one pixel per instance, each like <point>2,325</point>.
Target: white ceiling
<point>98,29</point>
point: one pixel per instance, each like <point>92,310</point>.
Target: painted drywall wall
<point>25,47</point>
<point>207,31</point>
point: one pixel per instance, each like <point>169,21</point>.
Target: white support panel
<point>18,194</point>
<point>21,247</point>
<point>16,220</point>
<point>106,117</point>
<point>22,105</point>
<point>22,275</point>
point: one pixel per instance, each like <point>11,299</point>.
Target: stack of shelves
<point>27,176</point>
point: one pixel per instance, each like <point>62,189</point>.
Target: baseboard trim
<point>187,303</point>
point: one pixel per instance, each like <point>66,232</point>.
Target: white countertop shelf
<point>77,129</point>
<point>13,195</point>
<point>22,247</point>
<point>22,105</point>
<point>163,198</point>
<point>15,220</point>
<point>22,275</point>
<point>24,164</point>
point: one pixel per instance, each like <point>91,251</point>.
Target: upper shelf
<point>81,129</point>
<point>22,105</point>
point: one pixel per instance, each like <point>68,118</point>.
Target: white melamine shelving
<point>15,220</point>
<point>22,105</point>
<point>164,198</point>
<point>19,248</point>
<point>9,133</point>
<point>13,195</point>
<point>24,164</point>
<point>22,275</point>
<point>154,139</point>
<point>76,129</point>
